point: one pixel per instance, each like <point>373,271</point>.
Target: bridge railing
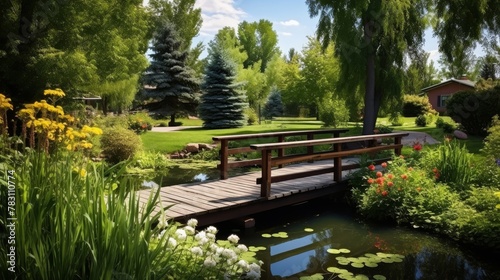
<point>279,137</point>
<point>372,145</point>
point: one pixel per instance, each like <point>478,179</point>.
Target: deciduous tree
<point>371,39</point>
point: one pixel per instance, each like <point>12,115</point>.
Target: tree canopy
<point>371,39</point>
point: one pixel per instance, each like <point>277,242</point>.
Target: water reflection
<point>305,253</point>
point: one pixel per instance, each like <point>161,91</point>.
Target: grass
<point>174,141</point>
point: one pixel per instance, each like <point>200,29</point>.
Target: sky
<point>290,19</point>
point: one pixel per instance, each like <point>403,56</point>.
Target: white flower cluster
<point>203,255</point>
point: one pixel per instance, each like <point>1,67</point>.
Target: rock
<point>175,156</point>
<point>192,148</point>
<point>460,134</point>
<point>205,146</point>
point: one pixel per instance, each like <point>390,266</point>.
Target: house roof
<point>463,82</point>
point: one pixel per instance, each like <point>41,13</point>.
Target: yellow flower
<point>91,130</point>
<point>26,114</point>
<point>54,92</point>
<point>5,102</point>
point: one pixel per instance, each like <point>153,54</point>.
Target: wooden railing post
<point>281,152</point>
<point>310,149</point>
<point>337,164</point>
<point>397,141</point>
<point>224,158</point>
<point>265,186</point>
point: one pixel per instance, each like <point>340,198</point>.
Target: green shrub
<point>140,122</point>
<point>251,115</point>
<point>333,112</point>
<point>492,141</point>
<point>396,120</point>
<point>112,121</point>
<point>421,121</point>
<point>119,144</point>
<point>414,105</point>
<point>445,126</point>
<point>474,110</point>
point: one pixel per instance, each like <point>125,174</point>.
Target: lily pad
<point>333,251</point>
<point>262,248</point>
<point>387,261</point>
<point>379,277</point>
<point>371,264</point>
<point>361,277</point>
<point>333,269</point>
<point>266,235</point>
<point>345,251</point>
<point>358,265</point>
<point>370,255</point>
<point>308,230</point>
<point>344,262</point>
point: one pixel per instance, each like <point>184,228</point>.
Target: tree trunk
<point>369,117</point>
<point>172,120</point>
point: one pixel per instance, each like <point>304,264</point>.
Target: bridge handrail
<point>267,161</point>
<point>280,135</point>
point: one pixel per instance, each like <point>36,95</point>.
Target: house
<point>438,93</point>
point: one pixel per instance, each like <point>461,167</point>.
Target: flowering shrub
<point>140,123</point>
<point>198,255</point>
<point>48,124</point>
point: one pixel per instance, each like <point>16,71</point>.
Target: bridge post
<point>337,163</point>
<point>397,141</point>
<point>224,158</point>
<point>310,149</point>
<point>265,185</point>
<point>281,152</point>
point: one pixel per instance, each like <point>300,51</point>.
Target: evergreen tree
<point>222,102</point>
<point>274,105</point>
<point>170,82</point>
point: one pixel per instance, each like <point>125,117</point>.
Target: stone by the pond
<point>192,148</point>
<point>460,134</point>
<point>205,146</point>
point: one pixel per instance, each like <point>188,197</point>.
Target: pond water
<point>322,241</point>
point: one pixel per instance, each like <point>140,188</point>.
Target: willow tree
<point>372,39</point>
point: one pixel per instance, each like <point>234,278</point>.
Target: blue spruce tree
<point>222,101</point>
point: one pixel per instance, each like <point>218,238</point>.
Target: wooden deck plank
<point>240,195</point>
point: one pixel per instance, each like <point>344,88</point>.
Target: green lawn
<point>173,141</point>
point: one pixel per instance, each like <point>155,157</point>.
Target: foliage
<point>274,105</point>
<point>333,112</point>
<point>420,74</point>
<point>119,144</point>
<point>492,141</point>
<point>222,103</point>
<point>251,116</point>
<point>408,191</point>
<point>474,110</point>
<point>445,126</point>
<point>414,105</point>
<point>81,222</point>
<point>259,41</point>
<point>117,95</point>
<point>424,120</point>
<point>371,35</point>
<point>459,61</point>
<point>451,164</point>
<point>140,122</point>
<point>172,83</point>
<point>70,45</point>
<point>396,120</point>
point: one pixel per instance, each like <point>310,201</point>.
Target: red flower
<point>417,147</point>
<point>390,184</point>
<point>384,164</point>
<point>370,181</point>
<point>379,174</point>
<point>380,181</point>
<point>385,193</point>
<point>404,176</point>
<point>390,176</point>
<point>371,167</point>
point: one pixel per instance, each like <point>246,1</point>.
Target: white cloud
<point>286,33</point>
<point>291,22</point>
<point>218,14</point>
<point>434,55</point>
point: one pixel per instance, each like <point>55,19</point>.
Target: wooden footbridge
<point>291,172</point>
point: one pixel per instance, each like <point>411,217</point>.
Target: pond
<point>318,240</point>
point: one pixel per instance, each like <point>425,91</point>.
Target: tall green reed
<point>71,224</point>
